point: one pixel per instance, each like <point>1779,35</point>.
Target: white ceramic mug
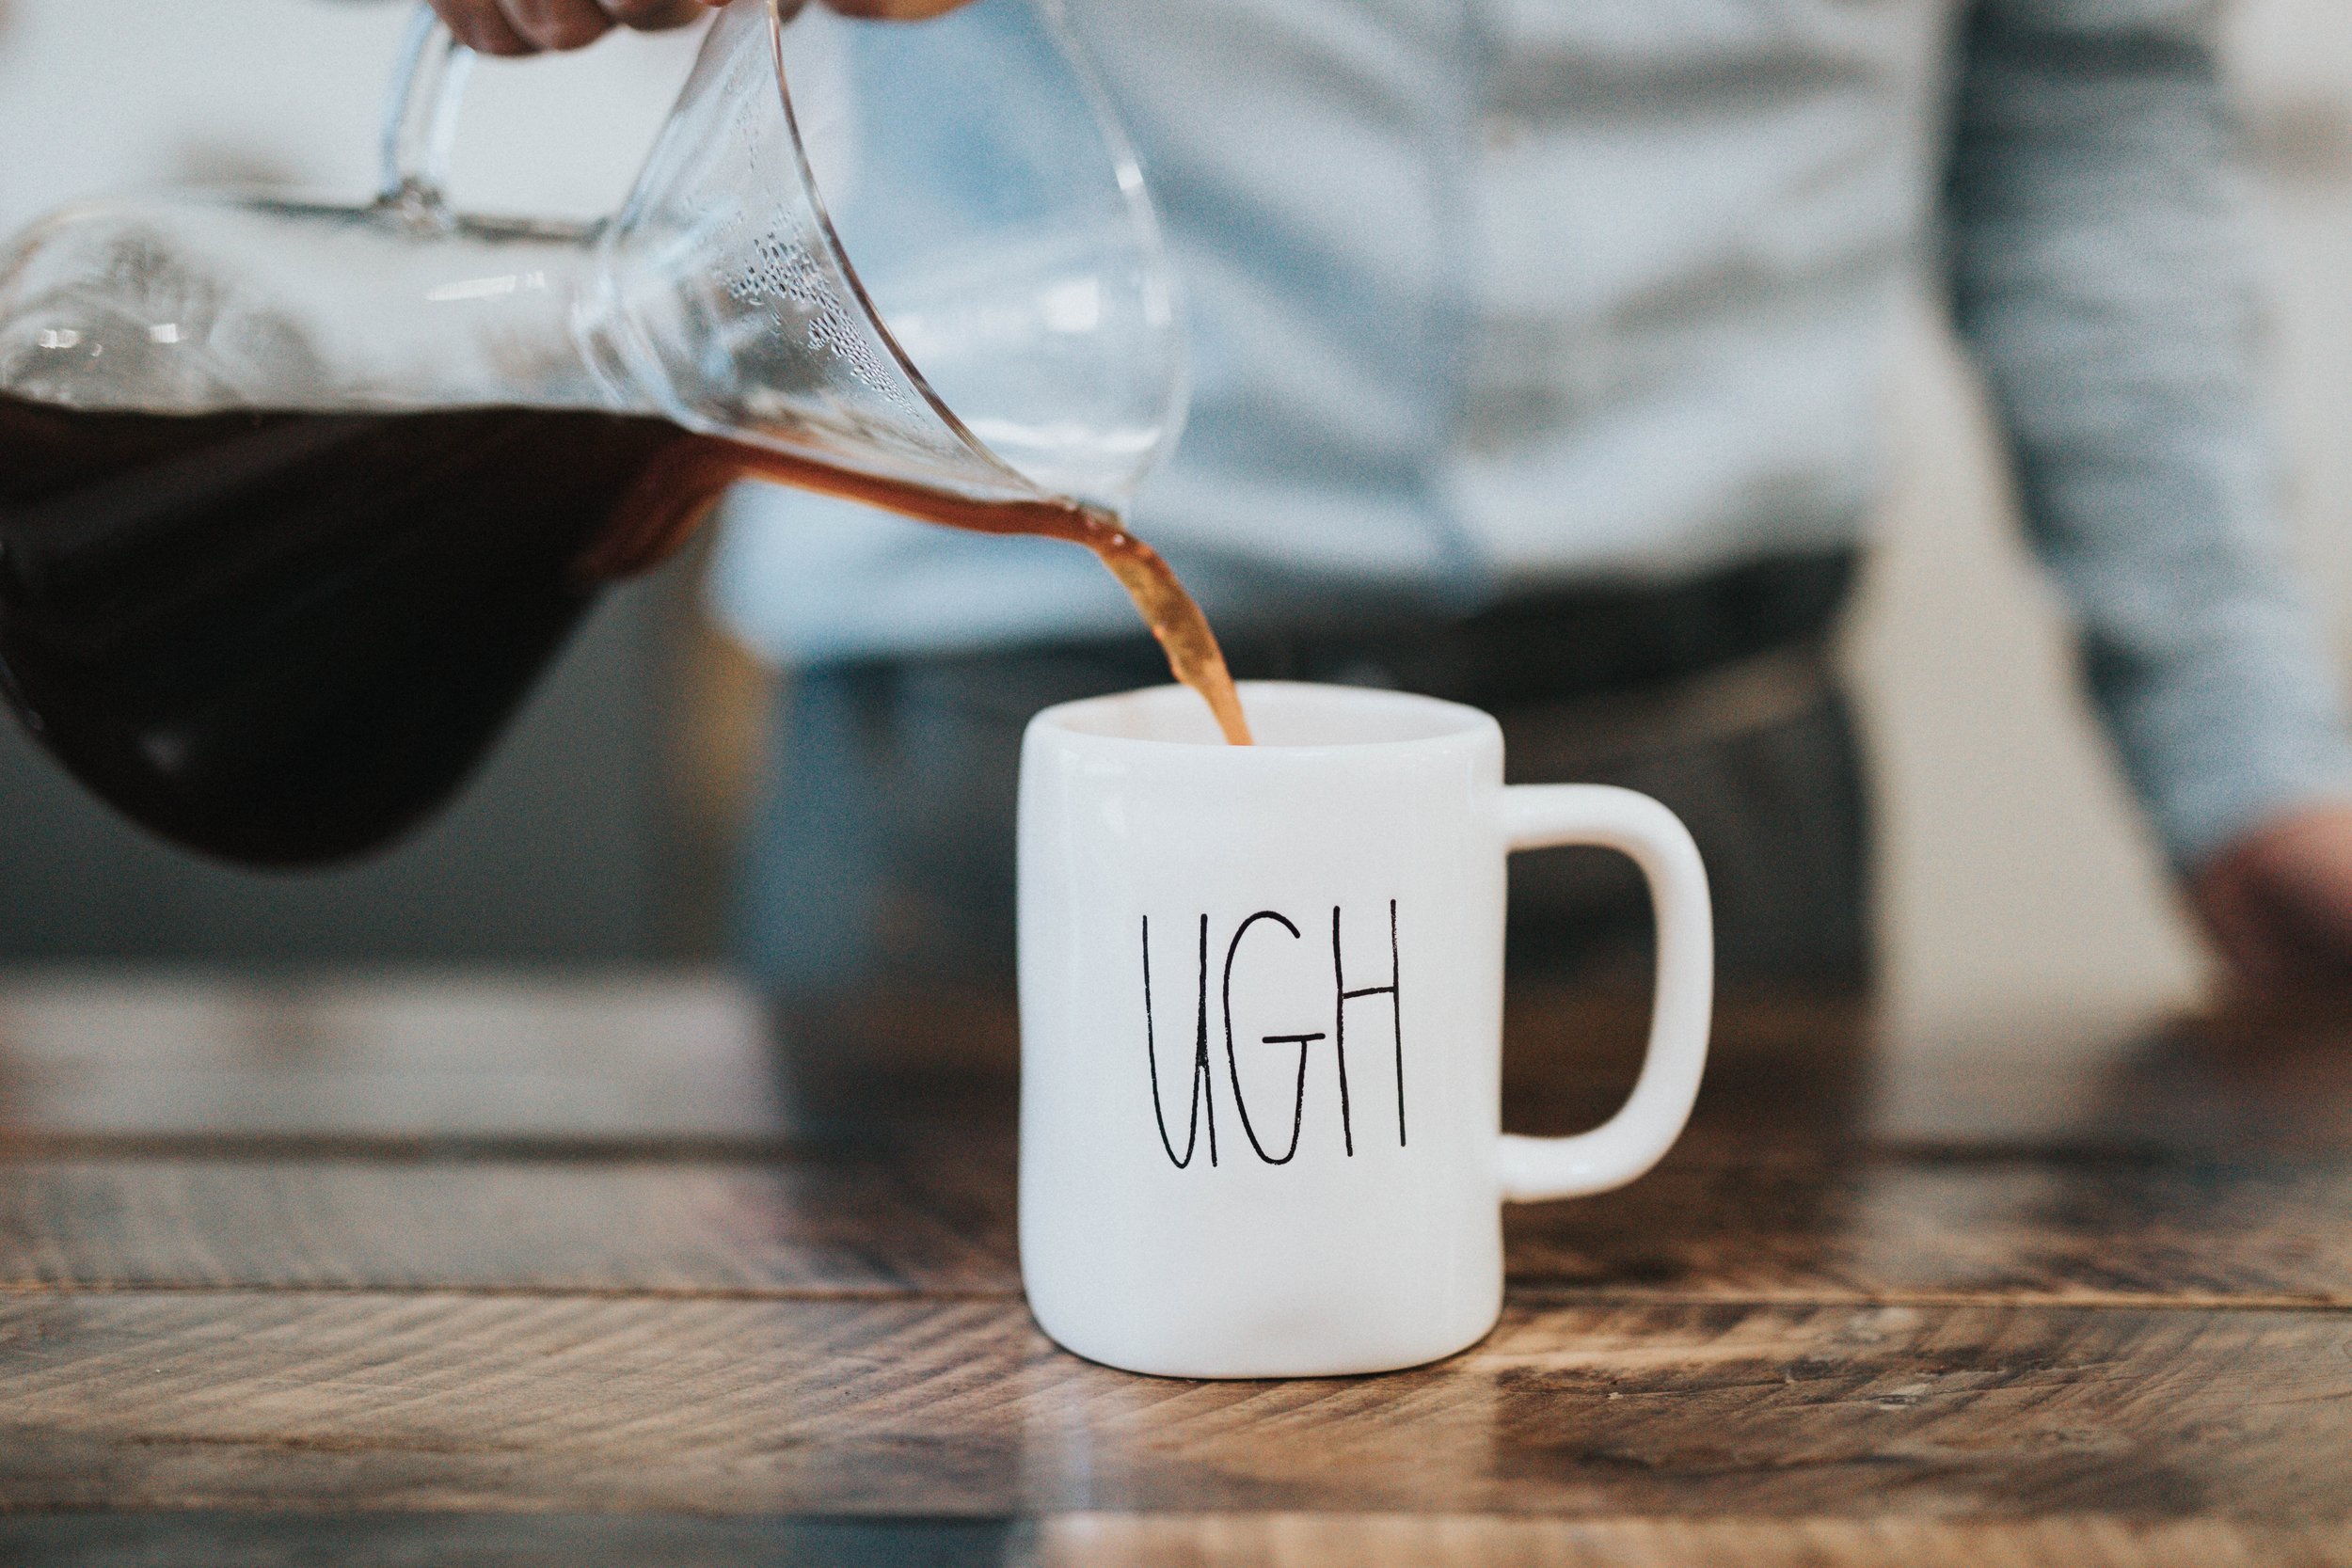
<point>1262,1026</point>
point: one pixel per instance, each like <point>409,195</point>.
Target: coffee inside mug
<point>1281,714</point>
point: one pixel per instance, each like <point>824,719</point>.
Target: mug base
<point>1196,1366</point>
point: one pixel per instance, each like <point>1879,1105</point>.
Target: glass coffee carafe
<point>297,499</point>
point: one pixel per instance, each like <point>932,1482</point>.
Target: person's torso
<point>1482,296</point>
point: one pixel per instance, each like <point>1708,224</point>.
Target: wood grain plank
<point>1152,1541</point>
<point>455,1067</point>
<point>176,1539</point>
<point>939,1219</point>
<point>1896,1230</point>
<point>807,1227</point>
<point>948,1409</point>
<point>446,1061</point>
<point>430,1056</point>
<point>96,1061</point>
<point>2273,1079</point>
<point>1800,1076</point>
<point>1347,1541</point>
<point>690,1061</point>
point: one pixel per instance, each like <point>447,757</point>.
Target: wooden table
<point>588,1272</point>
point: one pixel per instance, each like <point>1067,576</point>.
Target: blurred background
<point>2012,873</point>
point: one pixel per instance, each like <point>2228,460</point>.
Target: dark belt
<point>1757,628</point>
<point>1577,643</point>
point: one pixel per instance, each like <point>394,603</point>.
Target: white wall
<point>97,95</point>
<point>2014,874</point>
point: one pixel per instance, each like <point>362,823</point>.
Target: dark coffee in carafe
<point>286,637</point>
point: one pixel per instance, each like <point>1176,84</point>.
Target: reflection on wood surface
<point>919,1222</point>
<point>1157,1541</point>
<point>945,1407</point>
<point>414,1257</point>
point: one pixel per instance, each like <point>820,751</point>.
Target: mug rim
<point>1420,723</point>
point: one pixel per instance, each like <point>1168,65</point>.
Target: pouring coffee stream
<point>298,500</point>
<point>684,481</point>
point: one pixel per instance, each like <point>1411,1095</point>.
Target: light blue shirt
<point>1493,296</point>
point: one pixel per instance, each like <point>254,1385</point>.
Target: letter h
<point>1396,1009</point>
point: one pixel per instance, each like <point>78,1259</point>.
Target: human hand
<point>2278,902</point>
<point>528,26</point>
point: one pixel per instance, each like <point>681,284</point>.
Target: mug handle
<point>1543,816</point>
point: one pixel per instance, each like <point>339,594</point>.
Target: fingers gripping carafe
<point>296,499</point>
